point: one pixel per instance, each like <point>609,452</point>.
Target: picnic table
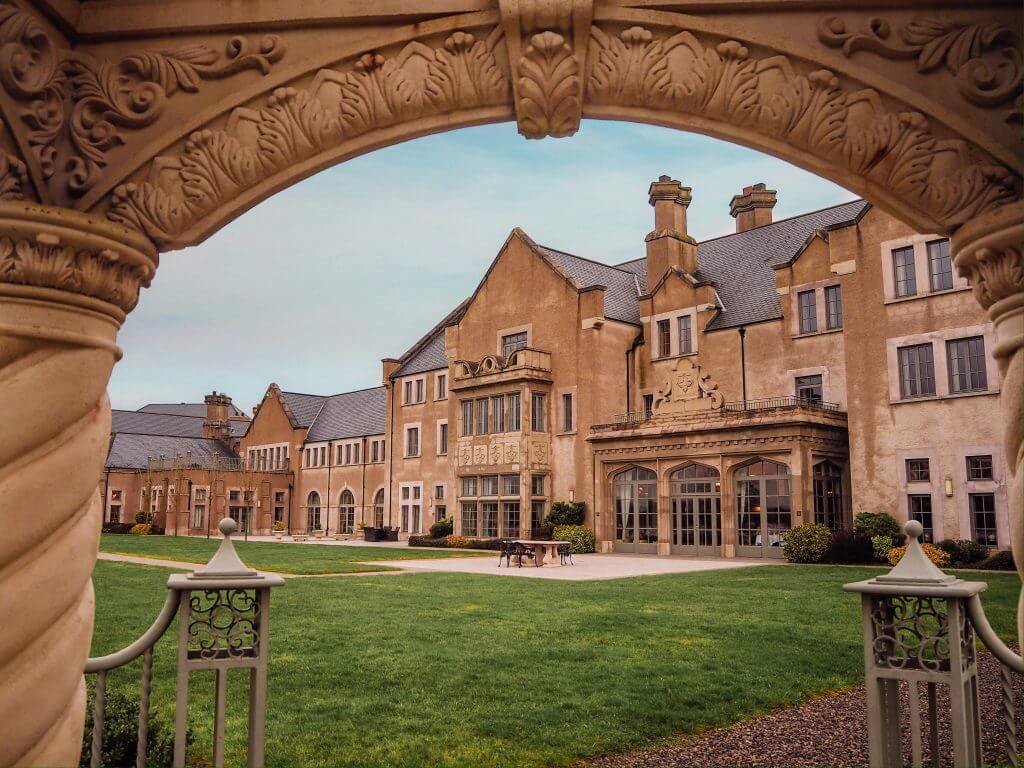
<point>544,552</point>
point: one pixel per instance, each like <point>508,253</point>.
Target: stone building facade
<point>700,400</point>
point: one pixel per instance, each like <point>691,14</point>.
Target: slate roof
<point>620,286</point>
<point>349,414</point>
<point>427,354</point>
<point>186,409</point>
<point>130,451</point>
<point>740,265</point>
<point>146,423</point>
<point>303,407</point>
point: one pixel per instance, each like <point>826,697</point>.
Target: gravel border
<point>828,730</point>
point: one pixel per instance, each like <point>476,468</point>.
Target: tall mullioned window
<point>940,265</point>
<point>967,365</point>
<point>467,417</point>
<point>685,334</point>
<point>833,307</point>
<point>808,311</point>
<point>917,370</point>
<point>538,404</point>
<point>514,411</point>
<point>920,509</point>
<point>664,338</point>
<point>983,519</point>
<point>903,271</point>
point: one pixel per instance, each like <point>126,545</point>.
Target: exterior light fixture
<point>947,485</point>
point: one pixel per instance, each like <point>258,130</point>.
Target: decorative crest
<point>689,389</point>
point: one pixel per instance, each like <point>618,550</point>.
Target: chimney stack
<point>753,208</point>
<point>668,244</point>
<point>218,408</point>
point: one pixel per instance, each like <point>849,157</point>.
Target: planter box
<point>299,537</point>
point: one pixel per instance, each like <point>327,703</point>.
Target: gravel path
<point>830,730</point>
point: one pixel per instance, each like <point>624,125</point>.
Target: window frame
<point>538,416</point>
<point>441,386</point>
<point>807,322</point>
<point>971,477</point>
<point>411,429</point>
<point>972,356</point>
<point>913,469</point>
<point>917,367</point>
<point>946,260</point>
<point>910,278</point>
<point>664,334</point>
<point>797,387</point>
<point>974,512</point>
<point>507,348</point>
<point>833,320</point>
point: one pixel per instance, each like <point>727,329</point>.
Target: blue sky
<point>314,286</point>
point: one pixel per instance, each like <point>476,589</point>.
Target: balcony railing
<point>214,463</point>
<point>525,361</point>
<point>740,406</point>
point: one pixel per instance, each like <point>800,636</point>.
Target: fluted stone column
<point>987,250</point>
<point>66,282</point>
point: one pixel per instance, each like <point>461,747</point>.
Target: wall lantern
<point>947,485</point>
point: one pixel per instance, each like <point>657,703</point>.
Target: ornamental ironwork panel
<point>223,624</point>
<point>911,632</point>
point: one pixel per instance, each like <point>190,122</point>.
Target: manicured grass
<point>271,556</point>
<point>463,670</point>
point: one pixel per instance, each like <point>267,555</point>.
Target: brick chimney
<point>668,245</point>
<point>753,208</point>
<point>218,409</point>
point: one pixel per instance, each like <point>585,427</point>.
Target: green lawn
<point>271,556</point>
<point>463,670</point>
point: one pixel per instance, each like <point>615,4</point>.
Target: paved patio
<point>586,568</point>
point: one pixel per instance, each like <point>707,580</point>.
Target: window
<point>497,413</point>
<point>828,495</point>
<point>833,307</point>
<point>940,266</point>
<point>685,334</point>
<point>440,512</point>
<point>414,391</point>
<point>481,416</point>
<point>439,493</point>
<point>966,365</point>
<point>917,371</point>
<point>809,388</point>
<point>412,441</point>
<point>512,342</point>
<point>375,450</point>
<point>198,514</point>
<point>537,514</point>
<point>920,509</point>
<point>442,438</point>
<point>537,485</point>
<point>510,485</point>
<point>411,498</point>
<point>979,468</point>
<point>469,518</point>
<point>903,269</point>
<point>313,511</point>
<point>467,417</point>
<point>346,512</point>
<point>648,405</point>
<point>918,471</point>
<point>983,519</point>
<point>355,452</point>
<point>378,509</point>
<point>348,454</point>
<point>441,386</point>
<point>489,485</point>
<point>513,411</point>
<point>469,486</point>
<point>510,518</point>
<point>567,412</point>
<point>537,405</point>
<point>323,455</point>
<point>664,339</point>
<point>808,311</point>
<point>488,519</point>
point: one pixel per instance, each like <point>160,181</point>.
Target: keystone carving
<point>688,389</point>
<point>984,59</point>
<point>722,81</point>
<point>547,47</point>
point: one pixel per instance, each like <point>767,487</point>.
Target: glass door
<point>696,511</point>
<point>636,511</point>
<point>763,508</point>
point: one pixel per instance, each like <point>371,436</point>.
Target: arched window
<point>763,508</point>
<point>346,512</point>
<point>378,509</point>
<point>636,510</point>
<point>696,511</point>
<point>828,495</point>
<point>313,511</point>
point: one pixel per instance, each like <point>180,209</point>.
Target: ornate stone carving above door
<point>689,389</point>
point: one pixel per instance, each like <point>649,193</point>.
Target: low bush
<point>117,527</point>
<point>121,732</point>
<point>581,539</point>
<point>871,524</point>
<point>566,513</point>
<point>141,517</point>
<point>999,561</point>
<point>963,552</point>
<point>806,543</point>
<point>936,555</point>
<point>850,549</point>
<point>141,529</point>
<point>882,545</point>
<point>457,542</point>
<point>428,541</point>
<point>279,525</point>
<point>443,527</point>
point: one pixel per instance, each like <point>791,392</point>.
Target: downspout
<point>743,364</point>
<point>106,496</point>
<point>362,481</point>
<point>390,447</point>
<point>330,463</point>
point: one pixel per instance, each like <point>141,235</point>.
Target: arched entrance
<point>696,497</point>
<point>128,134</point>
<point>636,510</point>
<point>313,511</point>
<point>346,512</point>
<point>764,508</point>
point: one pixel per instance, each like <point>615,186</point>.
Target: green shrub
<point>963,552</point>
<point>443,527</point>
<point>279,525</point>
<point>141,517</point>
<point>117,527</point>
<point>871,524</point>
<point>141,529</point>
<point>806,543</point>
<point>850,549</point>
<point>428,541</point>
<point>881,545</point>
<point>581,539</point>
<point>121,732</point>
<point>999,561</point>
<point>566,513</point>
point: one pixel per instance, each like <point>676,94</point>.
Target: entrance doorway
<point>696,511</point>
<point>763,508</point>
<point>636,511</point>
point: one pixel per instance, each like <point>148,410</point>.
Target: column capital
<point>987,251</point>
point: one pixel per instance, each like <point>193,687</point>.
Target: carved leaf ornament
<point>549,86</point>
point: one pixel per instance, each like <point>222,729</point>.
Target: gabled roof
<point>131,451</point>
<point>186,409</point>
<point>301,408</point>
<point>350,414</point>
<point>427,354</point>
<point>740,265</point>
<point>146,423</point>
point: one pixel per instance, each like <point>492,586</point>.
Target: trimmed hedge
<point>581,539</point>
<point>876,524</point>
<point>454,542</point>
<point>443,527</point>
<point>999,561</point>
<point>806,543</point>
<point>121,732</point>
<point>963,552</point>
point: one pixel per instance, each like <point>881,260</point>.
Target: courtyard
<point>464,669</point>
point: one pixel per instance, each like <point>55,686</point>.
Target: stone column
<point>66,282</point>
<point>987,251</point>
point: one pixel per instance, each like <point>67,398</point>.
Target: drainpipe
<point>390,446</point>
<point>330,463</point>
<point>743,364</point>
<point>362,481</point>
<point>106,496</point>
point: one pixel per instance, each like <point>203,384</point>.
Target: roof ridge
<point>354,391</point>
<point>782,221</point>
<point>584,258</point>
<point>304,394</point>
